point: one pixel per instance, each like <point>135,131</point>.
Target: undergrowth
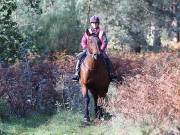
<point>145,101</point>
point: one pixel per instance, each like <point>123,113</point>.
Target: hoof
<point>97,121</point>
<point>86,120</point>
<point>85,123</point>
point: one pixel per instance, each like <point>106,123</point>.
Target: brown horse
<point>94,77</point>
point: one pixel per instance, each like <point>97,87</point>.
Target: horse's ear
<point>87,32</point>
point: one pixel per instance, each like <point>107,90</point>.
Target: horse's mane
<point>91,34</point>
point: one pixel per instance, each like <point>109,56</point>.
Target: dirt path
<point>71,93</point>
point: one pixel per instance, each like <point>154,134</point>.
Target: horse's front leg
<point>86,100</point>
<point>100,102</point>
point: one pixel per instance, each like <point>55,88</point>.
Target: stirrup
<point>113,77</point>
<point>75,78</point>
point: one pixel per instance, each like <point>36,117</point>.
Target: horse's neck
<point>90,62</point>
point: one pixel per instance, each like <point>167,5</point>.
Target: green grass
<point>62,123</point>
<point>66,123</point>
<point>69,123</point>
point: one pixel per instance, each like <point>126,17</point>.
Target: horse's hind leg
<point>86,104</point>
<point>95,105</point>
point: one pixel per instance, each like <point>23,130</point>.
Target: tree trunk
<point>88,13</point>
<point>155,40</point>
<point>175,22</point>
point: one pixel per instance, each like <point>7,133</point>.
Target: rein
<point>85,65</point>
<point>93,56</point>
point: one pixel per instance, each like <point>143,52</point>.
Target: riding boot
<point>76,75</point>
<point>112,76</point>
<point>81,57</point>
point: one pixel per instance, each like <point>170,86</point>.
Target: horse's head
<point>94,46</point>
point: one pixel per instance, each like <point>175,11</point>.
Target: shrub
<point>151,95</point>
<point>30,92</point>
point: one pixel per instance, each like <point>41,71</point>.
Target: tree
<point>176,19</point>
<point>10,37</point>
<point>134,22</point>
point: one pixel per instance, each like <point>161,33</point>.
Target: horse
<point>94,77</point>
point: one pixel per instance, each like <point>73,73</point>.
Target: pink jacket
<point>102,37</point>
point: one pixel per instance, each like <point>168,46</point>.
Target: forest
<point>39,44</point>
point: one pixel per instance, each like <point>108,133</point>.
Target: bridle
<point>93,56</point>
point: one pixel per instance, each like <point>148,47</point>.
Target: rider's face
<point>94,25</point>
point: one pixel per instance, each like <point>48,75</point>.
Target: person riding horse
<point>97,31</point>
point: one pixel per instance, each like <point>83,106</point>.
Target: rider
<point>94,29</point>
